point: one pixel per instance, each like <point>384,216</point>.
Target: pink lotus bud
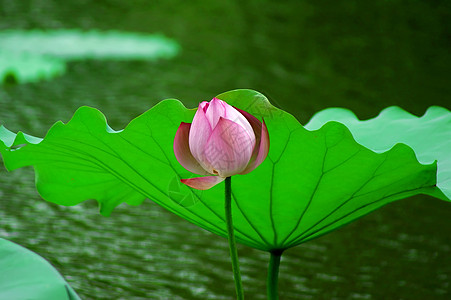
<point>221,141</point>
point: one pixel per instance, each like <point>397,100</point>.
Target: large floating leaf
<point>26,275</point>
<point>311,183</point>
<point>28,56</point>
<point>429,135</point>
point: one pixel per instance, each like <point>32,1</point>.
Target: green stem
<point>273,275</point>
<point>231,236</point>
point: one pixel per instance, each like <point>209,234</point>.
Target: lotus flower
<point>222,141</point>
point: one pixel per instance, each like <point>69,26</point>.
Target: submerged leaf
<point>312,182</point>
<point>33,55</point>
<point>26,275</point>
<point>73,44</point>
<point>17,67</point>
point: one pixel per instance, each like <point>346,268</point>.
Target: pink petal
<point>198,136</point>
<point>232,114</point>
<point>229,148</point>
<point>182,151</point>
<point>203,183</point>
<point>257,128</point>
<point>218,108</point>
<point>263,150</point>
<point>203,105</point>
<point>215,110</point>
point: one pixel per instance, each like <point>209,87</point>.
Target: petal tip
<point>202,183</point>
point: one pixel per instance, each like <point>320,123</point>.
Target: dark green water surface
<point>305,56</point>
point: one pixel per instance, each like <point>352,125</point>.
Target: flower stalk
<point>231,238</point>
<point>272,287</point>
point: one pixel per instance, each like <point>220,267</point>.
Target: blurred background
<point>304,56</point>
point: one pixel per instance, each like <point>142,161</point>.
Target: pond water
<point>305,56</point>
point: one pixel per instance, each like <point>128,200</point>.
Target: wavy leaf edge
<point>14,143</point>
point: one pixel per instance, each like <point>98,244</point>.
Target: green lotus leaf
<point>26,275</point>
<point>429,135</point>
<point>17,67</point>
<point>311,183</point>
<point>33,55</point>
<point>75,44</point>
